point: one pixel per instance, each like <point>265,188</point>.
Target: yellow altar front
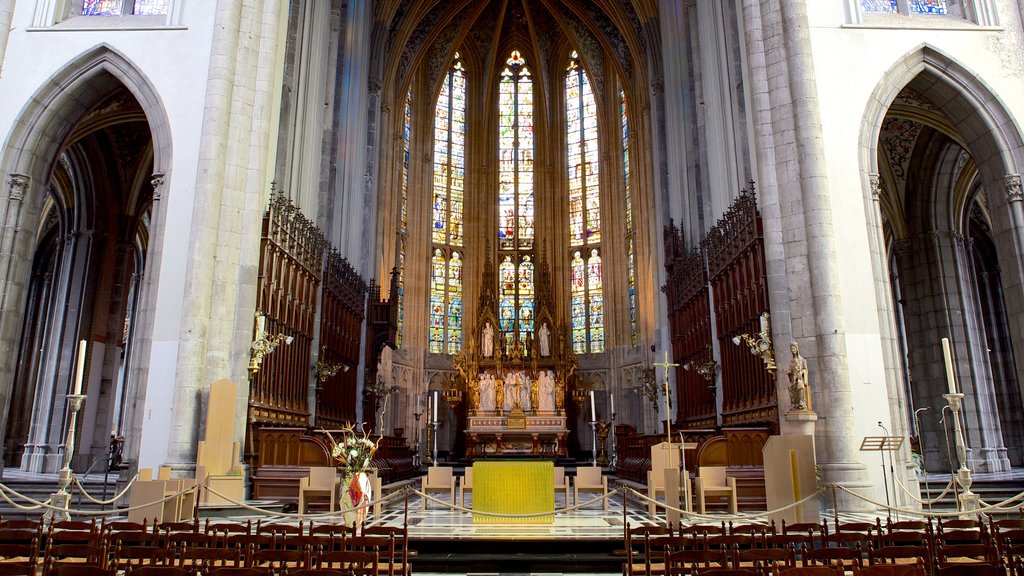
<point>513,487</point>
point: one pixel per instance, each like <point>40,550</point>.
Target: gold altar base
<point>518,433</point>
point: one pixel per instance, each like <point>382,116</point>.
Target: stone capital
<point>18,184</point>
<point>875,182</point>
<point>157,181</point>
<point>1013,187</point>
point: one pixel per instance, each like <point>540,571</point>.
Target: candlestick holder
<point>614,449</point>
<point>435,443</point>
<point>969,501</point>
<point>429,460</point>
<point>416,454</point>
<point>61,498</point>
<point>602,438</point>
<point>593,449</point>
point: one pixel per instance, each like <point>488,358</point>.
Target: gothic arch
<point>41,133</point>
<point>968,147</point>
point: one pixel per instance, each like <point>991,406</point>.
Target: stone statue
<point>797,372</point>
<point>486,392</point>
<point>546,383</point>
<point>544,334</point>
<point>487,342</point>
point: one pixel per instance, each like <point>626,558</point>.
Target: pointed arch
<point>41,131</point>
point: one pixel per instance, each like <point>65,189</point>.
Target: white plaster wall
<point>850,63</point>
<point>176,61</point>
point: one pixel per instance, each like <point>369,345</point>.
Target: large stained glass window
<point>515,156</point>
<point>586,300</point>
<point>515,199</point>
<point>448,191</point>
<point>883,6</point>
<point>403,221</point>
<point>927,6</point>
<point>630,235</point>
<point>581,134</point>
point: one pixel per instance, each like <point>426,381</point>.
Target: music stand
<point>883,444</point>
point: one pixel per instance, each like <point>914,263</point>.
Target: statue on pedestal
<point>797,373</point>
<point>487,341</point>
<point>544,334</point>
<point>534,395</point>
<point>487,391</point>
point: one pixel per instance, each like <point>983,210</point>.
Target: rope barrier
<point>555,512</point>
<point>935,500</point>
<point>21,506</point>
<point>278,514</point>
<point>913,512</point>
<point>81,488</point>
<point>4,488</point>
<point>756,516</point>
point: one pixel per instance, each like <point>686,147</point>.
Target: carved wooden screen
<point>341,320</point>
<point>736,268</point>
<point>690,323</point>
<point>291,260</point>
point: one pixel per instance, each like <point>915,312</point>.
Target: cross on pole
<point>668,417</point>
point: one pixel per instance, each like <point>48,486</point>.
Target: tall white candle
<point>261,325</point>
<point>612,402</point>
<point>419,403</point>
<point>435,405</point>
<point>593,409</point>
<point>80,371</point>
<point>764,323</point>
<point>948,357</point>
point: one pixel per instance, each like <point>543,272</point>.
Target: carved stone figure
<point>546,383</point>
<point>486,392</point>
<point>797,373</point>
<point>487,341</point>
<point>544,334</point>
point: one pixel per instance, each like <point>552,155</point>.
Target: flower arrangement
<point>354,453</point>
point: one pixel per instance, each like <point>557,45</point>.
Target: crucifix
<point>668,417</point>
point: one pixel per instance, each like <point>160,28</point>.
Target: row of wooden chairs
<point>934,546</point>
<point>122,545</point>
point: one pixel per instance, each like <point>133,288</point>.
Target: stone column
<point>787,115</point>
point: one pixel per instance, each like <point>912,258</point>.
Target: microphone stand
<point>892,475</point>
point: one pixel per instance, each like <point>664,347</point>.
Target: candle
<point>419,403</point>
<point>612,402</point>
<point>593,409</point>
<point>435,405</point>
<point>948,357</point>
<point>261,325</point>
<point>80,372</point>
<point>764,323</point>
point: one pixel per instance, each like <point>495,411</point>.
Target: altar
<point>513,487</point>
<point>511,434</point>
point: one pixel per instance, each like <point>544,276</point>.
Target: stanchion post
<point>969,501</point>
<point>62,498</point>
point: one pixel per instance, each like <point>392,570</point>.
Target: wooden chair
<point>465,485</point>
<point>149,570</point>
<point>975,569</point>
<point>561,485</point>
<point>439,479</point>
<point>590,480</point>
<point>890,570</point>
<point>712,481</point>
<point>322,482</point>
<point>810,571</point>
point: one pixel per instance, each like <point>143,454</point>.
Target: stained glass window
<point>515,199</point>
<point>915,6</point>
<point>403,224</point>
<point>586,303</point>
<point>883,6</point>
<point>928,6</point>
<point>446,224</point>
<point>124,7</point>
<point>630,236</point>
<point>515,156</point>
<point>450,157</point>
<point>581,133</point>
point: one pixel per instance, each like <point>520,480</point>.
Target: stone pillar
<point>804,278</point>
